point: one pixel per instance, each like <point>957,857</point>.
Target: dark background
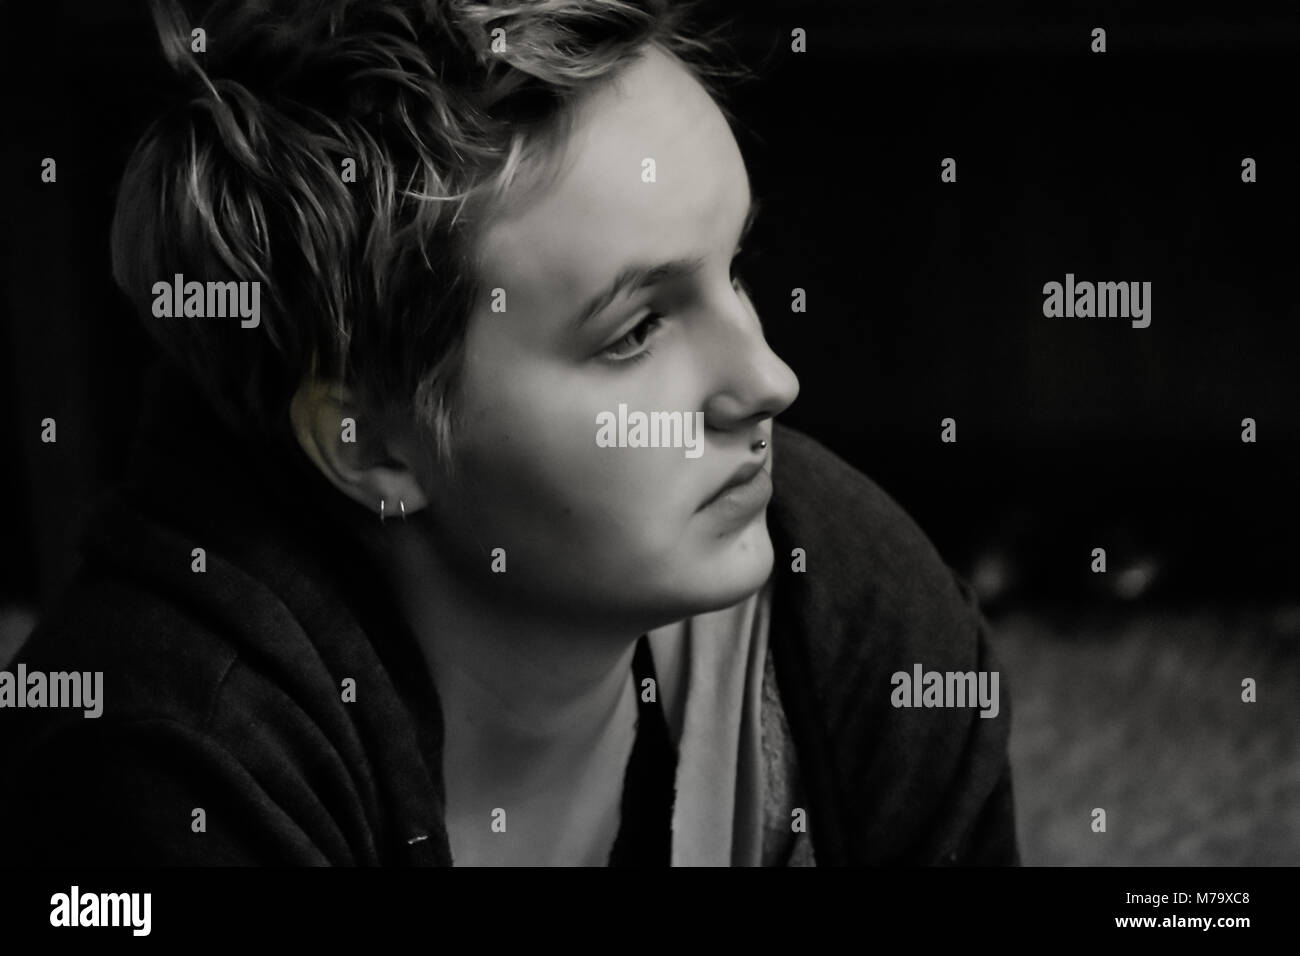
<point>924,302</point>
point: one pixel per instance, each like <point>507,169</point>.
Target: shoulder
<point>152,654</point>
<point>866,559</point>
<point>875,598</point>
<point>197,641</point>
<point>207,693</point>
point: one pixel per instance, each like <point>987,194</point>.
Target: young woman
<point>468,538</point>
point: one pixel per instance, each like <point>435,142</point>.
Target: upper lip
<point>738,477</point>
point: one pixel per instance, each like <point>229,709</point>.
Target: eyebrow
<point>635,277</point>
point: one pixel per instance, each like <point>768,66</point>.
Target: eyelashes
<point>639,334</point>
<point>650,324</point>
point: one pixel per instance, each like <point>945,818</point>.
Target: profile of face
<point>619,533</point>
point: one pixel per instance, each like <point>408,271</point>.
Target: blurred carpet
<point>1139,711</point>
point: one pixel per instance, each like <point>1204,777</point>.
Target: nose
<point>751,383</point>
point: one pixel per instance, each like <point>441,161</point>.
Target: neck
<point>527,698</point>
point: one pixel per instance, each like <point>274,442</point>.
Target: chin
<point>733,570</point>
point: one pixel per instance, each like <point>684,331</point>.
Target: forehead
<point>598,214</point>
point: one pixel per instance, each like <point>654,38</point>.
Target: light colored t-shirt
<point>737,776</point>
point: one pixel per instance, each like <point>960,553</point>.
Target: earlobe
<point>359,454</point>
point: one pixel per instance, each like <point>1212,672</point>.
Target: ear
<point>367,458</point>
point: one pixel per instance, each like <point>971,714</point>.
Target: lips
<point>742,476</point>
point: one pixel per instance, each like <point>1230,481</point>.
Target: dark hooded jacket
<point>222,697</point>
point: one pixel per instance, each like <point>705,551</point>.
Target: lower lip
<point>743,500</point>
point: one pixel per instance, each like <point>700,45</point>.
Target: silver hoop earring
<point>402,504</point>
<point>382,516</point>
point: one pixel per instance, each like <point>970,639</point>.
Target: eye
<point>625,349</point>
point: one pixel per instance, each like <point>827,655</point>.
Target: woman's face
<point>619,533</point>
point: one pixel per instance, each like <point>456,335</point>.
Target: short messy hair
<point>370,283</point>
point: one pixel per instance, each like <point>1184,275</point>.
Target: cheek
<point>538,480</point>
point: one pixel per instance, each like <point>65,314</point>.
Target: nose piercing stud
<point>760,444</point>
